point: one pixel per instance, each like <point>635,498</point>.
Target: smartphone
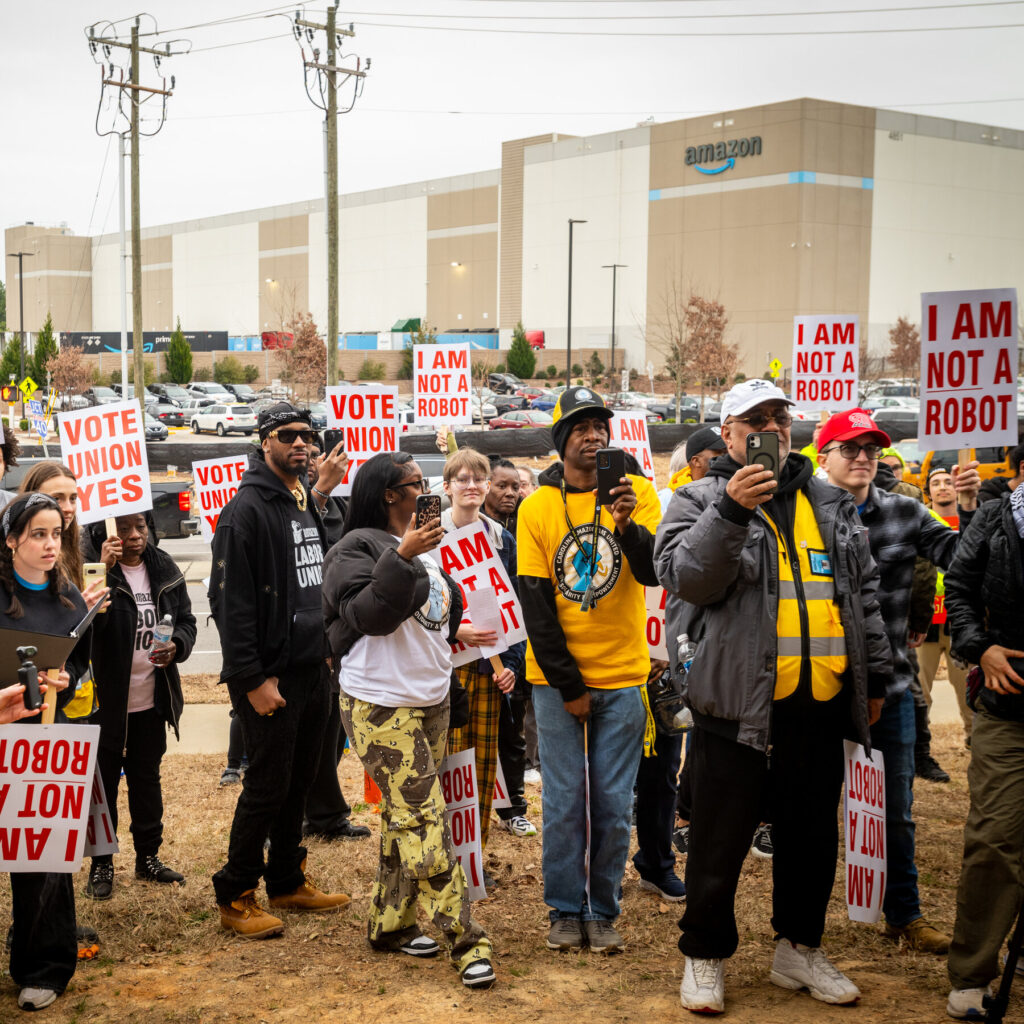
<point>611,468</point>
<point>95,571</point>
<point>428,507</point>
<point>331,440</point>
<point>763,450</point>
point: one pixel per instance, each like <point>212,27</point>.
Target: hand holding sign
<point>967,482</point>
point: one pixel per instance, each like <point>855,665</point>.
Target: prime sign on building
<point>968,368</point>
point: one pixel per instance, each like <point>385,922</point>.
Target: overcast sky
<point>439,100</point>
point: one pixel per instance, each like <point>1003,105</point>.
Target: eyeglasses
<point>760,420</point>
<point>286,436</point>
<point>851,451</point>
<point>460,483</point>
<point>422,485</point>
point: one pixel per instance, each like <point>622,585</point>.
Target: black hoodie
<point>266,628</point>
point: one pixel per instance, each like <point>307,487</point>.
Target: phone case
<point>763,450</point>
<point>428,507</point>
<point>611,468</point>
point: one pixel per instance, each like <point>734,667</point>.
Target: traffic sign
<point>9,394</point>
<point>28,387</point>
<point>774,369</point>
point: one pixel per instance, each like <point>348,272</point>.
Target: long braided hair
<point>16,521</point>
<point>70,542</point>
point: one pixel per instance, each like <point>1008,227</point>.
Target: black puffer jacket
<point>985,594</point>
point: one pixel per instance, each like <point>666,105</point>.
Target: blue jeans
<point>615,743</point>
<point>894,734</point>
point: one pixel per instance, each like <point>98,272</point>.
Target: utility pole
<point>19,256</point>
<point>326,98</point>
<point>568,313</point>
<point>135,94</point>
<point>614,268</point>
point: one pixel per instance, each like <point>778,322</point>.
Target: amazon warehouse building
<point>790,208</point>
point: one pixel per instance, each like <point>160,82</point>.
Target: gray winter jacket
<point>722,583</point>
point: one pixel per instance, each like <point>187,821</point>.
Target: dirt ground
<point>164,957</point>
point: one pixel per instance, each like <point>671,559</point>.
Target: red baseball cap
<point>844,426</point>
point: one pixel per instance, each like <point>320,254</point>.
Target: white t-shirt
<point>143,678</point>
<point>412,667</point>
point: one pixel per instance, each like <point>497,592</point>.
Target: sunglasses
<point>286,436</point>
<point>760,420</point>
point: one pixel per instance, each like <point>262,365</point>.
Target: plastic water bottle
<point>162,635</point>
<point>687,649</point>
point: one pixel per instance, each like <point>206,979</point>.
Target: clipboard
<point>53,649</point>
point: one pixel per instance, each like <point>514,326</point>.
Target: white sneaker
<point>36,998</point>
<point>531,775</point>
<point>703,986</point>
<point>797,966</point>
<point>518,826</point>
<point>968,1003</point>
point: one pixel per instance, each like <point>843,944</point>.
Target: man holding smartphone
<point>582,570</point>
<point>770,576</point>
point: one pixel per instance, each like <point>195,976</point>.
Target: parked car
<point>507,403</point>
<point>210,389</point>
<point>100,396</point>
<point>504,383</point>
<point>521,418</point>
<point>483,411</point>
<point>545,401</point>
<point>169,415</point>
<point>874,403</point>
<point>224,419</point>
<point>689,409</point>
<point>243,392</point>
<point>74,402</point>
<point>173,393</point>
<point>155,430</point>
<point>529,391</point>
<point>260,404</point>
<point>318,415</point>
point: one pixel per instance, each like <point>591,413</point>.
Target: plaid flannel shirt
<point>899,530</point>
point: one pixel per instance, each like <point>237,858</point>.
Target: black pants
<point>236,745</point>
<point>656,807</point>
<point>44,950</point>
<point>283,750</point>
<point>512,752</point>
<point>145,744</point>
<point>326,806</point>
<point>733,784</point>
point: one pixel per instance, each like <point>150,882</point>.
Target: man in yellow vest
<point>772,583</point>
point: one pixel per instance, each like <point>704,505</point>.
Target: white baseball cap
<point>744,396</point>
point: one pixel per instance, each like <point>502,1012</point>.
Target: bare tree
<point>714,359</point>
<point>305,364</point>
<point>669,334</point>
<point>905,347</point>
<point>871,366</point>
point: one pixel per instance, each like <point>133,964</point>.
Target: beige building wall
<point>283,283</point>
<point>785,231</point>
<point>462,259</point>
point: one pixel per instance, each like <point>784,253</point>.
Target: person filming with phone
<point>768,573</point>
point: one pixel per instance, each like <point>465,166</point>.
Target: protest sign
<point>968,369</point>
<point>864,822</point>
<point>100,837</point>
<point>655,599</point>
<point>627,430</point>
<point>458,784</point>
<point>216,481</point>
<point>500,800</point>
<point>826,355</point>
<point>468,556</point>
<point>443,384</point>
<point>368,418</point>
<point>47,773</point>
<point>105,447</point>
<point>37,418</point>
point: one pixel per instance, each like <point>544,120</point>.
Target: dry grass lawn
<point>165,959</point>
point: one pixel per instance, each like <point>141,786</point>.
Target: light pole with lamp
<point>19,256</point>
<point>568,320</point>
<point>614,268</point>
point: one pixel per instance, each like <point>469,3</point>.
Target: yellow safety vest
<point>806,583</point>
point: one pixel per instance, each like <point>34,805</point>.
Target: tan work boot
<point>309,897</point>
<point>920,935</point>
<point>246,917</point>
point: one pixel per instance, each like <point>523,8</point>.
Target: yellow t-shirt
<point>609,642</point>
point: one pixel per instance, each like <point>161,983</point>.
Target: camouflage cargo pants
<point>401,750</point>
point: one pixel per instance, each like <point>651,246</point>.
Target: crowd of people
<point>806,604</point>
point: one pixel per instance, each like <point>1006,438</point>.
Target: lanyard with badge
<point>587,576</point>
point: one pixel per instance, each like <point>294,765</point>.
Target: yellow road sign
<point>775,368</point>
<point>28,387</point>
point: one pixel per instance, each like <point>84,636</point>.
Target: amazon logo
<point>728,151</point>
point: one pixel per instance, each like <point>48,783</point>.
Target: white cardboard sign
<point>468,556</point>
<point>864,825</point>
<point>627,430</point>
<point>369,418</point>
<point>826,362</point>
<point>655,599</point>
<point>105,447</point>
<point>100,837</point>
<point>46,777</point>
<point>216,482</point>
<point>458,784</point>
<point>442,382</point>
<point>968,368</point>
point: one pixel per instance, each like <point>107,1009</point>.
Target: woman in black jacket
<point>984,598</point>
<point>390,614</point>
<point>139,690</point>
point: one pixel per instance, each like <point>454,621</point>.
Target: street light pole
<point>614,268</point>
<point>19,256</point>
<point>568,321</point>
